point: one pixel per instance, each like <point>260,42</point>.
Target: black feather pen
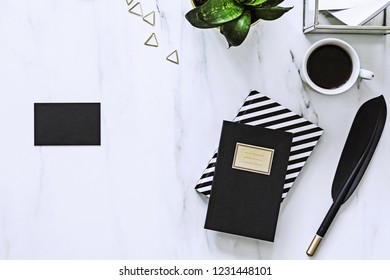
<point>359,148</point>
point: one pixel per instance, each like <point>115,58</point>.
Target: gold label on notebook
<point>253,158</point>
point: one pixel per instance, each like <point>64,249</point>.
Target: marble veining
<point>133,197</point>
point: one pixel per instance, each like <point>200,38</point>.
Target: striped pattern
<point>259,110</point>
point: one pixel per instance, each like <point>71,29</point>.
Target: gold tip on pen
<point>313,245</point>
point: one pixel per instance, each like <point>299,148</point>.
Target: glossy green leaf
<point>198,3</point>
<point>237,30</point>
<point>271,3</point>
<point>254,2</point>
<point>220,11</point>
<point>193,17</point>
<point>270,13</point>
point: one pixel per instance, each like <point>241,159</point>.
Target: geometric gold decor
<point>173,57</point>
<point>136,9</point>
<point>152,41</point>
<point>150,18</point>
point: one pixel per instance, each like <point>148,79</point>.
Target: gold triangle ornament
<point>136,10</point>
<point>173,57</point>
<point>129,2</point>
<point>150,18</point>
<point>152,41</point>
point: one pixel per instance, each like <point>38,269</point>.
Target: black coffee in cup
<point>329,66</point>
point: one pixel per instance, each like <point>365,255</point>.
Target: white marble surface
<point>133,197</point>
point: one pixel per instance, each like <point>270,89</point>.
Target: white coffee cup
<point>357,72</point>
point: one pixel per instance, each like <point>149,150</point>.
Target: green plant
<point>234,17</point>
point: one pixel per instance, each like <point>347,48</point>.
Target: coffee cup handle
<point>366,74</point>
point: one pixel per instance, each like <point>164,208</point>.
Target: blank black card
<point>66,124</point>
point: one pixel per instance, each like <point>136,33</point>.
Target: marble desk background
<point>133,197</point>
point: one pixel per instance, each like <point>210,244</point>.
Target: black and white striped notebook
<point>259,110</point>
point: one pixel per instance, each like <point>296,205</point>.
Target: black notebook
<point>248,181</point>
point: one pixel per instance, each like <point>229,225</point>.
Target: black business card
<point>248,182</point>
<point>66,124</point>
